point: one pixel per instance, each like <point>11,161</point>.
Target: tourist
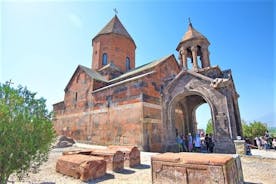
<point>197,143</point>
<point>190,142</point>
<point>258,142</point>
<point>274,144</point>
<point>211,144</point>
<point>247,146</point>
<point>207,142</point>
<point>265,143</point>
<point>179,143</point>
<point>267,139</point>
<point>262,142</point>
<point>184,143</point>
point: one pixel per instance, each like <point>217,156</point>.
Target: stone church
<point>115,102</point>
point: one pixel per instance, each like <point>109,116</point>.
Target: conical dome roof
<point>114,26</point>
<point>191,34</point>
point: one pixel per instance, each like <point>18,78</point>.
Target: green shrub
<point>26,131</point>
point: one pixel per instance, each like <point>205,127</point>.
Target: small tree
<point>209,127</point>
<point>253,129</point>
<point>26,131</point>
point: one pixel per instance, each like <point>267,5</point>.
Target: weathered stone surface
<point>114,159</point>
<point>240,147</point>
<point>74,152</point>
<point>196,168</point>
<point>131,155</point>
<point>81,166</point>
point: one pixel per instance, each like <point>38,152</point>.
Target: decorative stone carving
<point>196,168</point>
<point>220,82</point>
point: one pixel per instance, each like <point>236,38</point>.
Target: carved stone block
<point>131,155</point>
<point>196,168</point>
<point>81,166</point>
<point>114,159</point>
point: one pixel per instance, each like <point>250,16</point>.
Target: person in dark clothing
<point>211,144</point>
<point>207,142</point>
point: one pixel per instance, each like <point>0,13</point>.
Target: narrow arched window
<point>104,59</point>
<point>127,64</point>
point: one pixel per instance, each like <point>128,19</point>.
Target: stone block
<point>75,152</point>
<point>131,154</point>
<point>114,159</point>
<point>81,166</point>
<point>194,168</point>
<point>240,147</point>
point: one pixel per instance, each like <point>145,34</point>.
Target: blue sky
<point>42,42</point>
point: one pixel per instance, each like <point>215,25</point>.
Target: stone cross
<point>115,10</point>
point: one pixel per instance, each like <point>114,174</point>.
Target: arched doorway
<point>183,113</point>
<point>182,97</point>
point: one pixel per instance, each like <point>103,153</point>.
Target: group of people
<point>265,142</point>
<point>188,143</point>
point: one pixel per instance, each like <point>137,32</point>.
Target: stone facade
<point>116,103</point>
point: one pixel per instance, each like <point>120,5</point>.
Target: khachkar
<point>197,85</point>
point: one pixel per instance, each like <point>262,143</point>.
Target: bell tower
<point>194,46</point>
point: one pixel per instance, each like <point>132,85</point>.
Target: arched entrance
<point>183,113</point>
<point>180,100</point>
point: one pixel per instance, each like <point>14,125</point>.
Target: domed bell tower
<point>193,46</point>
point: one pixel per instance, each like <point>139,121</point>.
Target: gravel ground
<point>260,168</point>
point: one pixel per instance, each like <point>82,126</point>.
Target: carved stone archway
<point>191,89</point>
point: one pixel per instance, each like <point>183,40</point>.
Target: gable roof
<point>91,73</point>
<point>142,68</point>
<point>97,76</point>
<point>115,26</point>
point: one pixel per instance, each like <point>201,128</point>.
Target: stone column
<point>205,56</point>
<point>194,54</point>
<point>180,59</point>
<point>184,59</point>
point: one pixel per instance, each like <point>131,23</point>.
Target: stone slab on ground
<point>131,155</point>
<point>195,168</point>
<point>81,166</point>
<point>114,159</point>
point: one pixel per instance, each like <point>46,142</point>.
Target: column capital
<point>194,48</point>
<point>204,47</point>
<point>183,52</point>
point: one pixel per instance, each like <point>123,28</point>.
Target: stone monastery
<point>115,102</point>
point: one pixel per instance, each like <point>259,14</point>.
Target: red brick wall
<point>78,93</point>
<point>117,47</point>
